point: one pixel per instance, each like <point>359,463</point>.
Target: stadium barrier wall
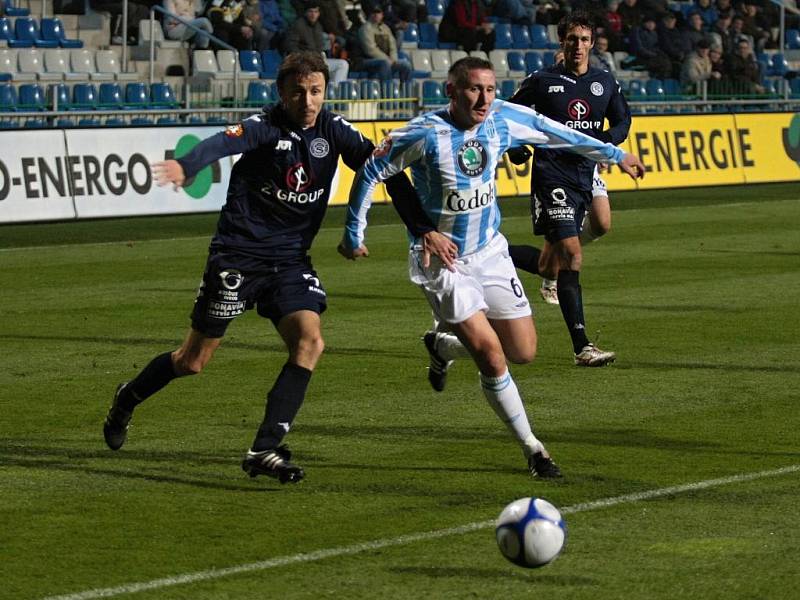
<point>88,173</point>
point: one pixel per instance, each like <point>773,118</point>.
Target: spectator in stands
<point>465,23</point>
<point>657,8</point>
<point>262,37</point>
<point>738,32</point>
<point>721,34</point>
<point>742,71</point>
<point>724,7</point>
<point>632,17</point>
<point>519,12</point>
<point>334,23</point>
<point>272,22</point>
<point>189,11</point>
<point>231,24</point>
<point>306,35</point>
<point>716,82</point>
<point>137,11</point>
<point>708,13</point>
<point>694,31</point>
<point>698,67</point>
<point>549,12</point>
<point>397,14</point>
<point>378,48</point>
<point>673,43</point>
<point>612,26</point>
<point>646,50</point>
<point>600,57</point>
<point>754,25</point>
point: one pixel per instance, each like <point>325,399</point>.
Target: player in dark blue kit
<point>581,97</point>
<point>277,197</point>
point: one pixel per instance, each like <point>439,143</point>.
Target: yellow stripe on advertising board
<point>690,150</point>
<point>774,153</point>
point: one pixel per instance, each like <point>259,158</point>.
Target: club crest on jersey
<point>472,158</point>
<point>383,148</point>
<point>596,88</point>
<point>319,148</point>
<point>297,178</point>
<point>235,130</point>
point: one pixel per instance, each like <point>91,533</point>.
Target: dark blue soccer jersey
<point>581,103</point>
<point>279,188</point>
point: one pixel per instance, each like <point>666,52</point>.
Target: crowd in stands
<point>714,41</point>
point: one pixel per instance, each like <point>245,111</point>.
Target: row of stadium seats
<point>507,36</point>
<point>57,64</point>
<point>26,33</point>
<point>31,97</point>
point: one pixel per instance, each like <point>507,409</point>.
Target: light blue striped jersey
<point>453,170</point>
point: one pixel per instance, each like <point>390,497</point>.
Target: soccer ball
<point>530,532</point>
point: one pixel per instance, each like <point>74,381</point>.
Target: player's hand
<point>519,156</point>
<point>352,253</point>
<point>632,166</point>
<point>436,244</point>
<point>169,171</point>
<point>602,167</point>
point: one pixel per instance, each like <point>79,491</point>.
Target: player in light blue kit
<point>461,260</point>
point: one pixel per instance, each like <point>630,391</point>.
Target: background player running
<point>581,97</point>
<point>470,282</point>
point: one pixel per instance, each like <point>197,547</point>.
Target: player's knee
<point>522,355</point>
<point>310,347</point>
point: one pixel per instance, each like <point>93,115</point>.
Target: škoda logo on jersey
<point>472,158</point>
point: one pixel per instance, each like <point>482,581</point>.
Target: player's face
<point>302,97</point>
<point>577,47</point>
<point>470,103</point>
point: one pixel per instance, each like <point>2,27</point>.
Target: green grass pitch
<point>696,290</point>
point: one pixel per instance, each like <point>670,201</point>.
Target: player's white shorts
<point>598,184</point>
<point>484,280</point>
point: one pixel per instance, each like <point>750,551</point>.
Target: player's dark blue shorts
<point>558,210</point>
<point>233,283</point>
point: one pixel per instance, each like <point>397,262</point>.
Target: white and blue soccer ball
<point>530,532</point>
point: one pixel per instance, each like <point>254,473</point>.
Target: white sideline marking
<point>132,588</point>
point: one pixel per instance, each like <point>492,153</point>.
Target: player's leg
<point>597,222</point>
<point>190,359</point>
<point>293,300</point>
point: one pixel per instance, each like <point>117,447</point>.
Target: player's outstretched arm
<point>632,166</point>
<point>169,171</point>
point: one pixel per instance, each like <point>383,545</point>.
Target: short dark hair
<point>458,72</point>
<point>302,64</point>
<point>578,18</point>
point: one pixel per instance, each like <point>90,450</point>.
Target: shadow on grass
<point>532,576</point>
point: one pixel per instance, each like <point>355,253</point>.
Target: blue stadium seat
<point>250,61</point>
<point>270,61</point>
<point>141,121</point>
<point>411,36</point>
<point>89,122</point>
<point>522,37</point>
<point>428,36</point>
<point>137,96</point>
<point>779,65</point>
<point>110,96</point>
<point>162,96</point>
<point>534,61</point>
<point>794,86</point>
<point>12,10</point>
<point>370,90</point>
<point>432,92</point>
<point>636,90</point>
<point>84,96</point>
<point>64,122</point>
<point>504,40</point>
<point>35,124</point>
<point>53,30</point>
<point>31,97</point>
<point>166,121</point>
<point>115,122</point>
<point>6,30</point>
<point>792,39</point>
<point>539,39</point>
<point>771,85</point>
<point>216,121</point>
<point>347,90</point>
<point>654,88</point>
<point>26,32</point>
<point>672,87</point>
<point>507,88</point>
<point>436,9</point>
<point>8,97</point>
<point>516,62</point>
<point>58,94</point>
<point>258,93</point>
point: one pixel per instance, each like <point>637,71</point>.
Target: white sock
<point>549,283</point>
<point>450,347</point>
<point>503,396</point>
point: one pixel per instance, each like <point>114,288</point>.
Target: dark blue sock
<point>525,258</point>
<point>570,300</point>
<point>283,403</point>
<point>158,373</point>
